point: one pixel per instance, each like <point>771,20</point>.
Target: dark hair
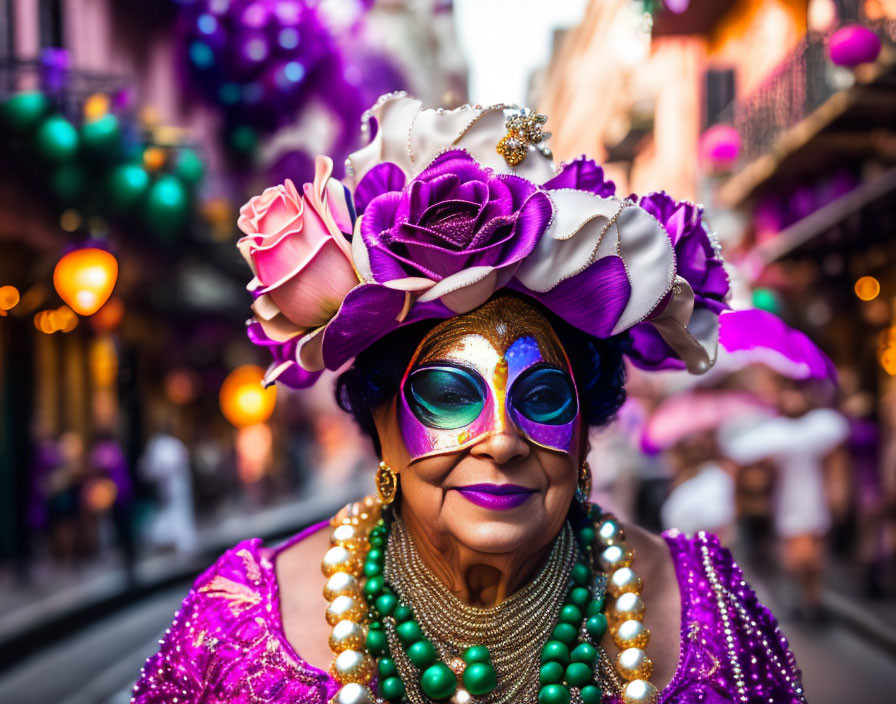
<point>376,374</point>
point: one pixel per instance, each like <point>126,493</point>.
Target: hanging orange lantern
<point>85,278</point>
<point>243,399</point>
<point>9,298</point>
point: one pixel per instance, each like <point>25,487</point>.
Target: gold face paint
<point>459,385</point>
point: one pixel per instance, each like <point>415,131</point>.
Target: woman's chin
<point>492,530</point>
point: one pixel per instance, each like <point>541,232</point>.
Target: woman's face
<point>486,431</point>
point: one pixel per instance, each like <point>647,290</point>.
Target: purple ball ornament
<point>260,60</point>
<point>853,45</point>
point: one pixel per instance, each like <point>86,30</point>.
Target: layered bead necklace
<point>446,651</point>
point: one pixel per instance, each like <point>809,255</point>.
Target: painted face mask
<point>497,369</point>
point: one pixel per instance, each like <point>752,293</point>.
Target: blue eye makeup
<point>444,396</point>
<point>545,395</point>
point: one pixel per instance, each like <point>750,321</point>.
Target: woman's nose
<point>502,447</point>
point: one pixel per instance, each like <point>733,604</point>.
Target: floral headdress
<point>443,208</point>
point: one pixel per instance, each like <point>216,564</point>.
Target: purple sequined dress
<point>227,643</point>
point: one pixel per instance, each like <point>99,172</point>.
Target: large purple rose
<point>455,234</point>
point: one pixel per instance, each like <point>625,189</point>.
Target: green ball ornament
<point>587,536</point>
<point>766,299</point>
<point>373,586</point>
<point>409,632</point>
<point>377,541</point>
<point>386,667</point>
<point>375,555</point>
<point>579,596</point>
<point>555,651</point>
<point>69,184</point>
<point>565,633</point>
<point>376,641</point>
<point>243,139</point>
<point>570,613</point>
<point>580,574</point>
<point>584,653</point>
<point>56,139</point>
<point>551,673</point>
<point>438,681</point>
<point>385,603</point>
<point>392,688</point>
<point>595,606</point>
<point>189,167</point>
<point>577,674</point>
<point>591,694</point>
<point>22,112</point>
<point>372,569</point>
<point>127,183</point>
<point>480,678</point>
<point>422,653</point>
<point>102,137</point>
<point>553,694</point>
<point>596,626</point>
<point>167,205</point>
<point>476,653</point>
<point>402,613</point>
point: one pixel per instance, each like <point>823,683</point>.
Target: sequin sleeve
<point>746,658</point>
<point>182,668</point>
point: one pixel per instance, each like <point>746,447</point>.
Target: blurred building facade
<point>740,105</point>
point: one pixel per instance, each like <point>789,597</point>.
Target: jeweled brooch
<point>523,128</point>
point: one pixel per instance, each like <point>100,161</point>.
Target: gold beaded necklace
<point>348,613</point>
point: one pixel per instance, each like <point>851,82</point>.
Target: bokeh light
<point>243,399</point>
<point>867,288</point>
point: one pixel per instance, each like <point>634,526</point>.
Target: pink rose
<point>297,250</point>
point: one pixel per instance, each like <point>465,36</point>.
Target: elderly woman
<point>487,300</point>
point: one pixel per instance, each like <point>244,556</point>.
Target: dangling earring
<point>386,483</point>
<point>583,492</point>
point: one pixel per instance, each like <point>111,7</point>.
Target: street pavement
<point>98,664</point>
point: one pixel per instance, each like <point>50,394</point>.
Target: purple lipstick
<point>497,497</point>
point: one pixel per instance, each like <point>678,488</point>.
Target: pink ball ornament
<point>719,147</point>
<point>853,45</point>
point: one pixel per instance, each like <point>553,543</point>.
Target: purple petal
<point>648,350</point>
<point>293,375</point>
<point>367,313</point>
<point>584,175</point>
<point>759,336</point>
<point>382,178</point>
<point>591,301</point>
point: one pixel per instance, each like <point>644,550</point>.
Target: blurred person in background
<point>63,488</point>
<point>797,442</point>
<point>702,494</point>
<point>109,491</point>
<point>165,464</point>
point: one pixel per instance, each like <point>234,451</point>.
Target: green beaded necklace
<point>567,658</point>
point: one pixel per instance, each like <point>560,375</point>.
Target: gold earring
<point>386,483</point>
<point>585,480</point>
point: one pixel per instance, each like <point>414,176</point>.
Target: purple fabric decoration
<point>698,263</point>
<point>227,641</point>
<point>591,301</point>
<point>761,337</point>
<point>582,174</point>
